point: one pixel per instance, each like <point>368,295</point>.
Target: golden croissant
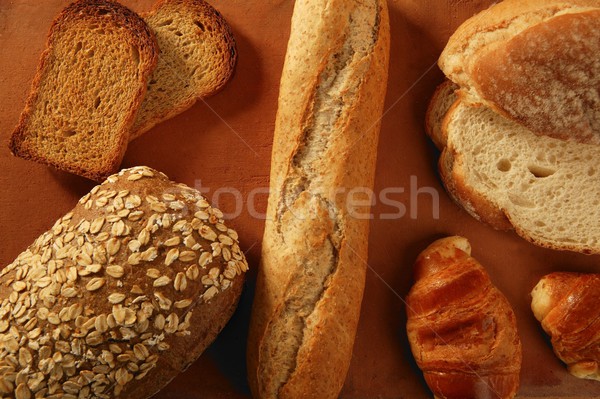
<point>568,306</point>
<point>462,330</point>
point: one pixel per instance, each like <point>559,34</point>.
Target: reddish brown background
<point>226,142</point>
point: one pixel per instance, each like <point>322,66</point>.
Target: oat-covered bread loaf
<point>197,58</point>
<point>90,82</point>
<point>120,295</point>
<point>535,62</point>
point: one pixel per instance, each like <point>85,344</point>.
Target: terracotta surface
<point>226,142</point>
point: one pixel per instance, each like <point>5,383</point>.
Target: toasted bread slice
<point>197,58</point>
<point>547,189</point>
<point>535,62</point>
<point>90,82</point>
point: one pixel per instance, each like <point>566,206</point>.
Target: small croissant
<point>568,306</point>
<point>462,330</point>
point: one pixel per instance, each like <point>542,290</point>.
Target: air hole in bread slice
<point>135,54</point>
<point>504,165</point>
<point>78,47</point>
<point>520,201</point>
<point>591,171</point>
<point>166,22</point>
<point>200,25</point>
<point>178,33</point>
<point>97,102</point>
<point>69,133</point>
<point>540,171</point>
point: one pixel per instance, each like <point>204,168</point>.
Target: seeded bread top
<point>130,286</point>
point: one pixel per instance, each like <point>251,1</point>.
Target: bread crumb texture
<point>548,188</point>
<point>90,82</point>
<point>99,300</point>
<point>197,58</point>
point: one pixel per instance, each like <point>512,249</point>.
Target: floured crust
<point>135,32</point>
<point>311,280</point>
<point>547,77</point>
<point>533,61</point>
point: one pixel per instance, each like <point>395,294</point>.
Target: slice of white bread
<point>547,189</point>
<point>90,82</point>
<point>197,58</point>
<point>535,62</point>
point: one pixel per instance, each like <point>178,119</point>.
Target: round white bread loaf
<point>534,62</point>
<point>120,295</point>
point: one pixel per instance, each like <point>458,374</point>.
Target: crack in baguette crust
<point>304,201</point>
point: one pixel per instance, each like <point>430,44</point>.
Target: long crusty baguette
<point>311,279</point>
<point>197,58</point>
<point>503,174</point>
<point>535,62</point>
<point>90,82</point>
<point>120,295</point>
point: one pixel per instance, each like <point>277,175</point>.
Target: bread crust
<point>139,35</point>
<point>461,329</point>
<point>442,99</point>
<point>442,103</point>
<point>136,299</point>
<point>196,12</point>
<point>531,62</point>
<point>314,249</point>
<point>566,306</point>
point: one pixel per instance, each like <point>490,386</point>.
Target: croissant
<point>462,330</point>
<point>567,305</point>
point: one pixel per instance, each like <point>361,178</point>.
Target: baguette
<point>90,82</point>
<point>122,294</point>
<point>534,62</point>
<point>311,280</point>
<point>197,58</point>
